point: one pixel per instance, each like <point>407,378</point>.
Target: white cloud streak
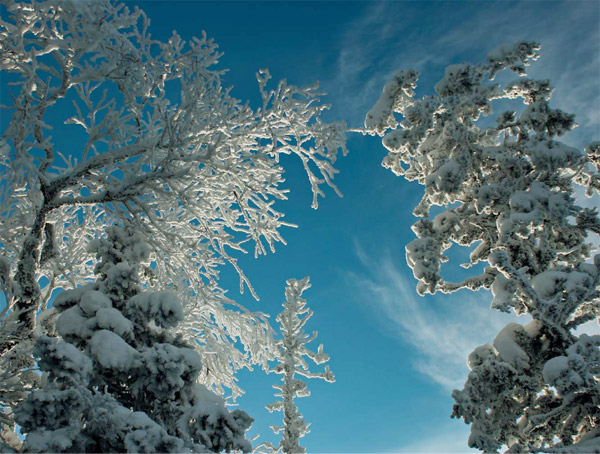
<point>450,438</point>
<point>426,37</point>
<point>441,330</point>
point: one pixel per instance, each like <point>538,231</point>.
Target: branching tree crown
<point>110,125</point>
<point>507,191</point>
<point>162,144</point>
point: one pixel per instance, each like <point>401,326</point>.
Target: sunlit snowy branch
<point>111,126</point>
<point>506,191</point>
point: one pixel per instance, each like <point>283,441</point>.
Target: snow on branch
<point>506,191</point>
<point>109,126</point>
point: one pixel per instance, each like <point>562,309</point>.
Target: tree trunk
<point>28,302</point>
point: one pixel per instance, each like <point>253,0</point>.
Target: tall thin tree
<point>292,361</point>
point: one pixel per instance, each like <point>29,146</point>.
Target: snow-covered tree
<point>17,378</point>
<point>292,356</point>
<point>110,124</point>
<point>507,191</point>
<point>118,378</point>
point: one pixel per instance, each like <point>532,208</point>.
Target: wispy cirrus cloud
<point>385,39</point>
<point>442,331</point>
<point>450,438</point>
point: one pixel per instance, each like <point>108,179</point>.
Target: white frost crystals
<point>154,139</point>
<point>507,191</point>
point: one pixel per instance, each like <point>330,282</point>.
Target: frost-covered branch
<point>507,192</point>
<point>111,126</point>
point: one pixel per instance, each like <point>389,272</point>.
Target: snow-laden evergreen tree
<point>118,378</point>
<point>17,378</point>
<point>292,358</point>
<point>507,191</point>
<point>106,124</point>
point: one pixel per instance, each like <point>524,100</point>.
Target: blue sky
<point>396,356</point>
